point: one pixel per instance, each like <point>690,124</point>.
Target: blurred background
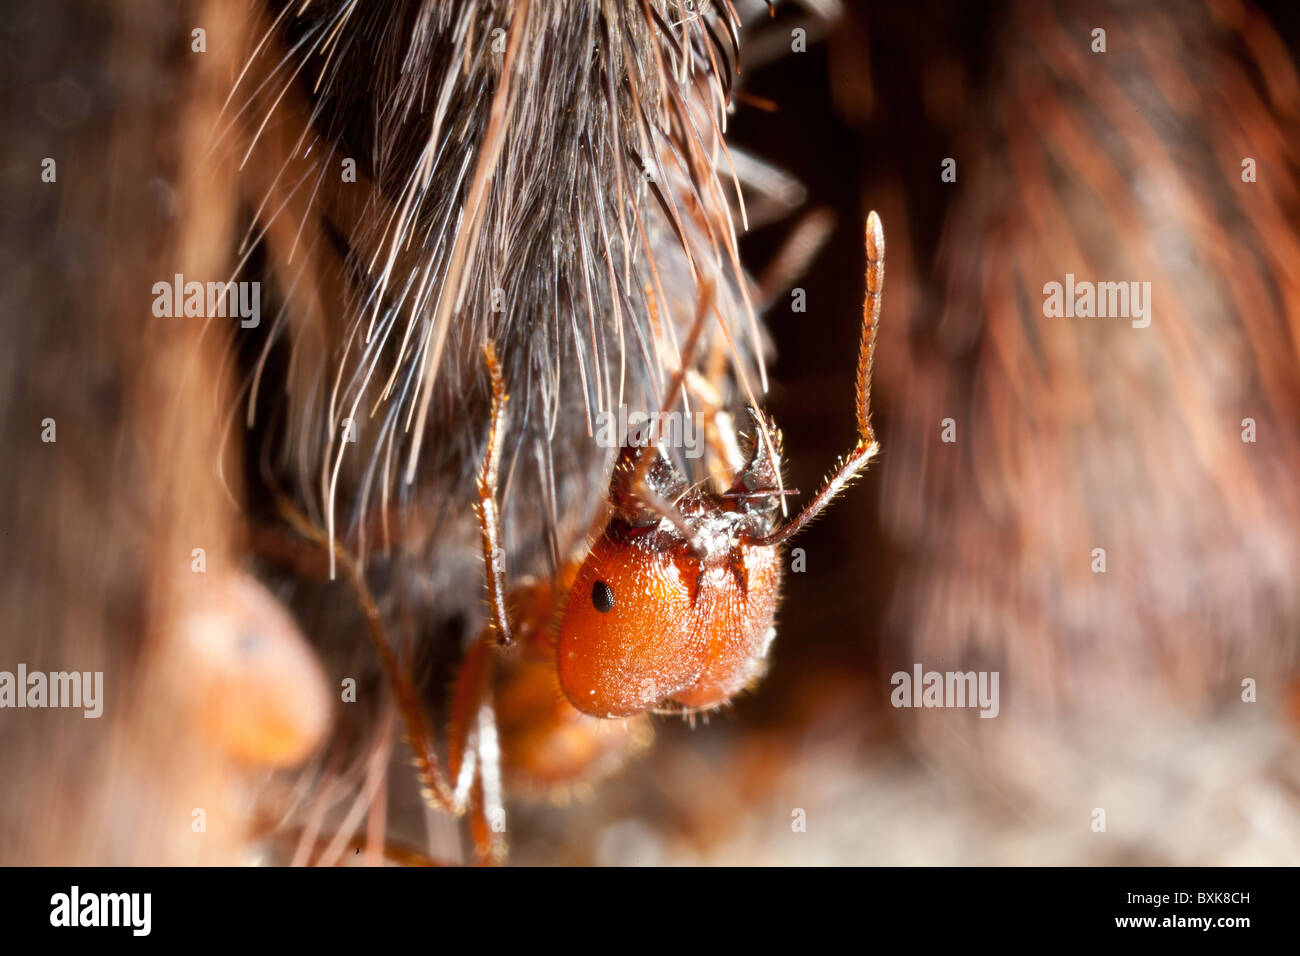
<point>1119,691</point>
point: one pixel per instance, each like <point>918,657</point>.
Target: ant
<point>671,610</point>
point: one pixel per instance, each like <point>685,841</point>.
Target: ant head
<point>673,603</point>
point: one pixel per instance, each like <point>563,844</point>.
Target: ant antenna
<point>867,446</point>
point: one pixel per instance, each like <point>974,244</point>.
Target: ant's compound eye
<point>603,659</point>
<point>602,597</point>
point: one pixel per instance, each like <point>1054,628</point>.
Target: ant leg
<point>867,447</point>
<point>473,753</point>
<point>418,730</point>
<point>487,814</point>
<point>470,690</point>
<point>489,519</point>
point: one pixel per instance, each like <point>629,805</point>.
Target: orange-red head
<point>673,608</point>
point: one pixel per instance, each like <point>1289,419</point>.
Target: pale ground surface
<point>1223,792</point>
